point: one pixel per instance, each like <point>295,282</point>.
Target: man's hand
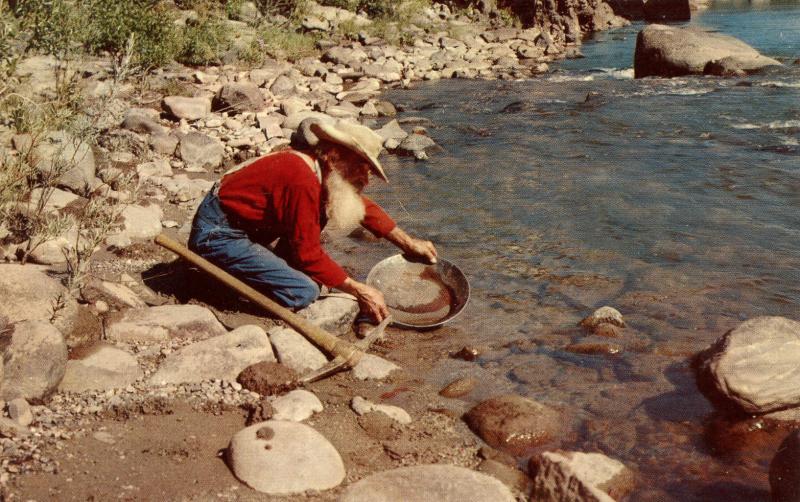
<point>370,300</point>
<point>415,248</point>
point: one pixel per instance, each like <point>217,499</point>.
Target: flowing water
<point>674,200</point>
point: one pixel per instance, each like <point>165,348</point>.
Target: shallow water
<point>673,200</point>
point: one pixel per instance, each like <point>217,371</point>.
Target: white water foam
<point>777,124</point>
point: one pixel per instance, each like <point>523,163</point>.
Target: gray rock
<point>222,357</point>
<point>293,121</point>
<point>67,157</point>
<point>362,406</point>
<point>165,144</point>
<point>283,86</point>
<point>513,423</point>
<point>333,313</point>
<point>659,11</point>
<point>238,98</point>
<point>669,51</point>
<point>784,471</point>
<point>158,167</point>
<point>294,351</point>
<point>606,314</point>
<point>155,324</point>
<point>181,188</point>
<point>424,483</point>
<point>138,222</point>
<point>113,293</point>
<point>373,368</point>
<point>181,107</point>
<point>344,55</point>
<point>11,429</point>
<point>100,367</point>
<point>754,366</point>
<point>58,199</point>
<point>35,360</point>
<point>20,411</point>
<point>291,458</point>
<point>415,143</point>
<point>143,120</point>
<point>295,406</point>
<point>199,150</point>
<point>28,293</point>
<point>590,477</point>
<point>392,130</point>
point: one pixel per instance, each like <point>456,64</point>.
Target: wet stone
<point>590,477</point>
<point>514,423</point>
<point>459,387</point>
<point>784,470</point>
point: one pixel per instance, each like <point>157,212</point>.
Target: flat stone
<point>362,406</point>
<point>784,470</point>
<point>20,411</point>
<point>161,323</point>
<point>222,357</point>
<point>294,351</point>
<point>29,294</point>
<point>333,313</point>
<point>372,367</point>
<point>296,406</point>
<point>287,458</point>
<point>159,167</point>
<point>425,483</point>
<point>143,121</point>
<point>138,222</point>
<point>459,387</point>
<point>591,477</point>
<point>100,366</point>
<point>392,130</point>
<point>513,423</point>
<point>182,107</point>
<point>200,150</point>
<point>115,294</point>
<point>754,366</point>
<point>34,361</point>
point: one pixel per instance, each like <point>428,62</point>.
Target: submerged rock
<point>513,423</point>
<point>668,51</point>
<point>607,315</point>
<point>283,458</point>
<point>34,361</point>
<point>459,387</point>
<point>588,477</point>
<point>754,366</point>
<point>424,483</point>
<point>784,471</point>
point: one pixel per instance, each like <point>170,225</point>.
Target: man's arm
<point>416,248</point>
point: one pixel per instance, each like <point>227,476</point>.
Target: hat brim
<point>330,133</point>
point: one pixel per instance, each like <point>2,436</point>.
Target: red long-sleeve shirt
<point>279,196</point>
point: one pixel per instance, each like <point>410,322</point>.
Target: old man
<point>262,222</point>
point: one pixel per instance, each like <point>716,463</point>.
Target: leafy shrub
<point>112,24</point>
<point>52,26</point>
<point>283,42</point>
<point>203,42</point>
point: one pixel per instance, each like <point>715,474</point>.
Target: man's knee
<point>302,294</point>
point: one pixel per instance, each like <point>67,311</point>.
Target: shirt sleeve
<point>301,220</point>
<point>375,219</point>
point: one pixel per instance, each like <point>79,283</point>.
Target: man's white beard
<point>345,209</point>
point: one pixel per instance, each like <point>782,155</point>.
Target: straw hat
<point>360,139</point>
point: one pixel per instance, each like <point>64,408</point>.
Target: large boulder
<point>754,366</point>
<point>155,324</point>
<point>182,107</point>
<point>588,477</point>
<point>29,294</point>
<point>513,423</point>
<point>283,458</point>
<point>138,222</point>
<point>222,357</point>
<point>784,471</point>
<point>67,157</point>
<point>668,51</point>
<point>239,97</point>
<point>424,483</point>
<point>659,11</point>
<point>100,367</point>
<point>34,361</point>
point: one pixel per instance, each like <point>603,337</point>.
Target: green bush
<point>281,42</point>
<point>149,22</point>
<point>203,42</point>
<point>51,26</point>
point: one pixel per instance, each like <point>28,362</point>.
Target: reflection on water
<point>674,201</point>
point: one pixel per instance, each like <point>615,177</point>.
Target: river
<point>673,200</point>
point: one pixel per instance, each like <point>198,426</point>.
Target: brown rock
<point>268,378</point>
<point>607,330</point>
<point>467,354</point>
<point>513,423</point>
<point>459,387</point>
<point>594,348</point>
<point>588,477</point>
<point>379,426</point>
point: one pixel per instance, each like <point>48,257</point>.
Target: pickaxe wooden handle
<point>338,348</point>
